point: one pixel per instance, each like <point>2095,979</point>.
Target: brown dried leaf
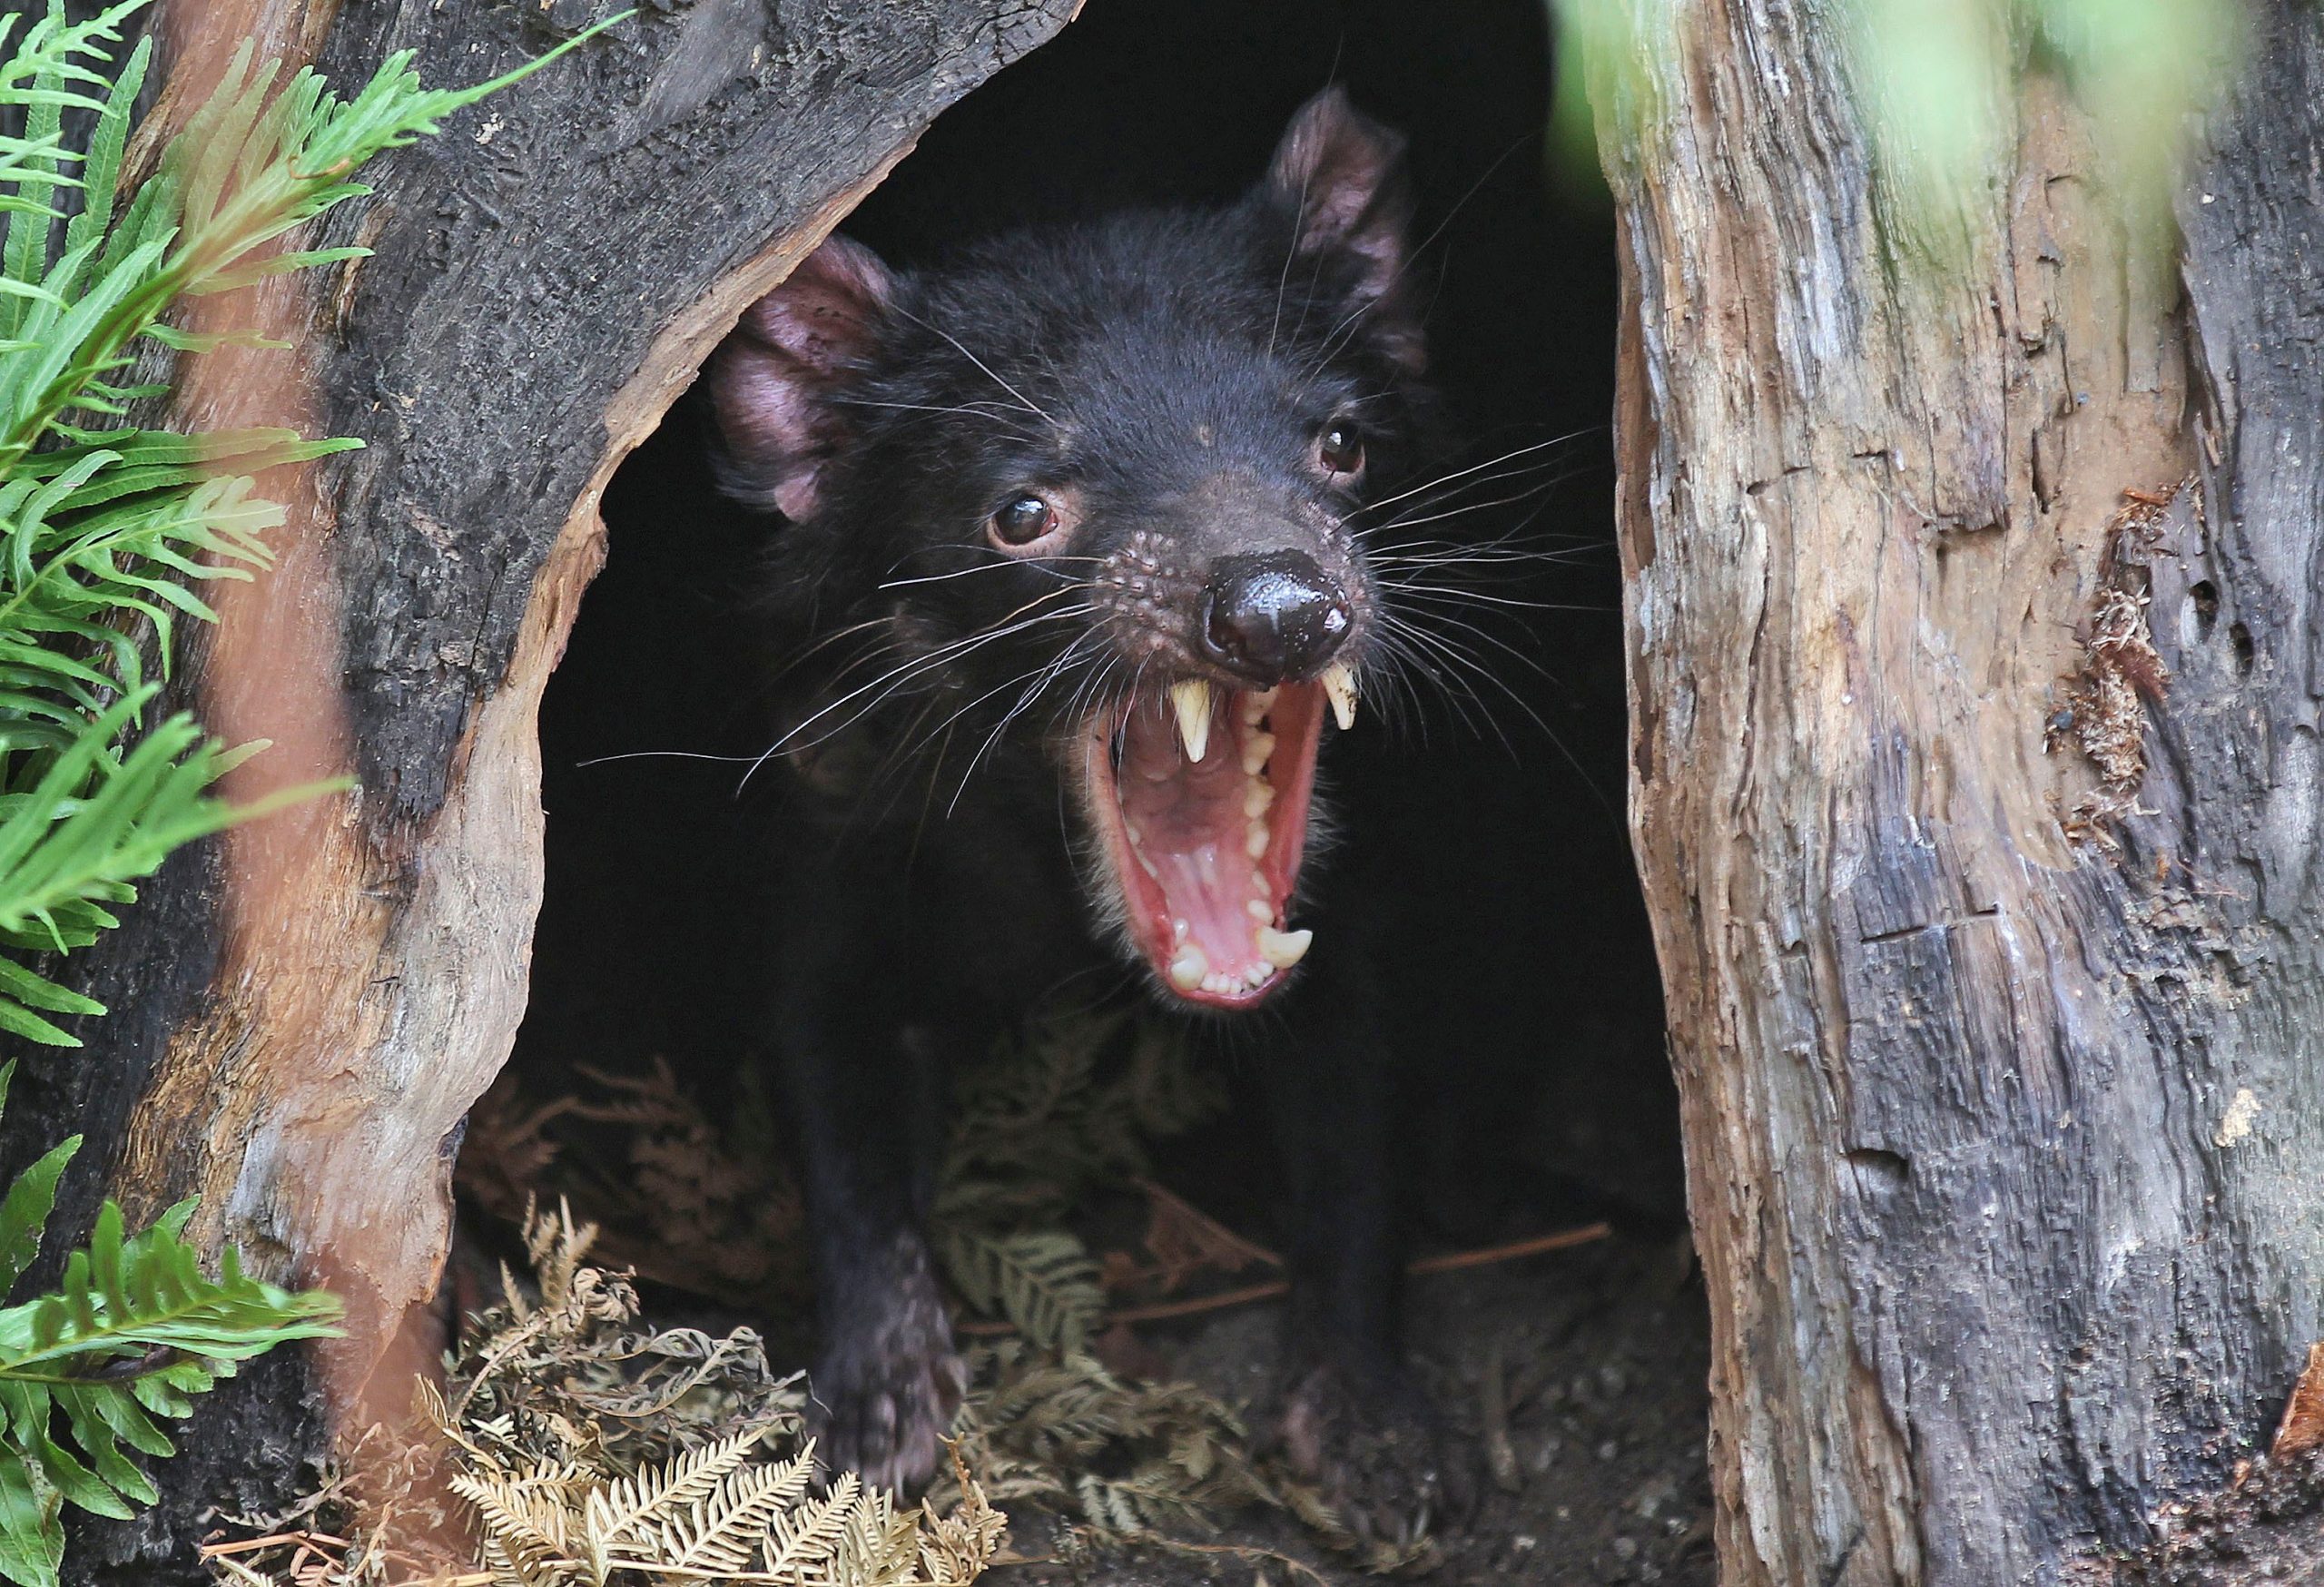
<point>1184,1240</point>
<point>2302,1428</point>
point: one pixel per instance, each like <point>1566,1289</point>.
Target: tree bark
<point>2002,1120</point>
<point>304,1011</point>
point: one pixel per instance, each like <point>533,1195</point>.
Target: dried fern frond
<point>719,1514</point>
<point>571,1375</point>
<point>684,1199</point>
<point>1042,1280</point>
<point>1069,1107</point>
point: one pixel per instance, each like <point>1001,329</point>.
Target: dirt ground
<point>1603,1352</point>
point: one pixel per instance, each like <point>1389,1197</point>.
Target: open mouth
<point>1200,796</point>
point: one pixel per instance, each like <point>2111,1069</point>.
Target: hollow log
<point>1998,1051</point>
<point>304,1011</point>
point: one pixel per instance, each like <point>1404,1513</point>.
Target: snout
<point>1271,615</point>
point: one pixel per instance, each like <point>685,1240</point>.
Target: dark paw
<point>886,1391</point>
<point>1368,1445</point>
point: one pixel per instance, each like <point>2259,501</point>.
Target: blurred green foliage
<point>1934,84</point>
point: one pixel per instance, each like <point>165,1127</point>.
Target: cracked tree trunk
<point>305,1010</point>
<point>2000,1078</point>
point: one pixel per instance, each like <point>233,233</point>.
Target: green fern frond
<point>135,1330</point>
<point>107,532</point>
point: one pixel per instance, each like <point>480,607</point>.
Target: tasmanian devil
<point>1074,573</point>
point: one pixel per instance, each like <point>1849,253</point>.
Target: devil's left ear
<point>1341,178</point>
<point>774,381</point>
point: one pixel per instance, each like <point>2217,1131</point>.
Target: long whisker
<point>1475,468</point>
<point>987,568</point>
<point>1028,403</point>
<point>1455,594</point>
<point>913,668</point>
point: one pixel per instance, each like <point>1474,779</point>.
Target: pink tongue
<point>1193,838</point>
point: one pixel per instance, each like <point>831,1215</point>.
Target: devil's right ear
<point>774,381</point>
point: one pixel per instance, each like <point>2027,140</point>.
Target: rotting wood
<point>304,1012</point>
<point>2002,1149</point>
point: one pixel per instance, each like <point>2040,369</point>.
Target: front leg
<point>1353,1420</point>
<point>886,1382</point>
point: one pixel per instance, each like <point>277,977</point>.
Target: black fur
<point>1161,380</point>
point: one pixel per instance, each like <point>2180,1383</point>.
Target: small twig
<point>1493,1407</point>
<point>1453,1262</point>
<point>210,1550</point>
<point>1158,1311</point>
<point>1248,1552</point>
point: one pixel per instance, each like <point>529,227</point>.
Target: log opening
<point>1539,1090</point>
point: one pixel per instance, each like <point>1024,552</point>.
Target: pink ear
<point>1341,174</point>
<point>773,382</point>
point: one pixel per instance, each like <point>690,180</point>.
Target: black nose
<point>1271,615</point>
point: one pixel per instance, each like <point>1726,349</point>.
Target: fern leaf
<point>66,1405</point>
<point>32,1526</point>
<point>24,1212</point>
<point>879,1547</point>
<point>807,1537</point>
<point>721,1532</point>
<point>102,168</point>
<point>529,1521</point>
<point>622,1509</point>
<point>1044,1281</point>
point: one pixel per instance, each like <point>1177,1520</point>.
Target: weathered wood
<point>305,1011</point>
<point>2003,1149</point>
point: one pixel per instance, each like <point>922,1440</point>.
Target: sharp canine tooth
<point>1191,700</point>
<point>1339,684</point>
<point>1281,949</point>
<point>1188,967</point>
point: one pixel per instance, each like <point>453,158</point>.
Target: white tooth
<point>1256,843</point>
<point>1258,883</point>
<point>1178,931</point>
<point>1282,948</point>
<point>1257,748</point>
<point>1259,910</point>
<point>1130,832</point>
<point>1256,706</point>
<point>1256,798</point>
<point>1220,982</point>
<point>1188,967</point>
<point>1339,684</point>
<point>1191,699</point>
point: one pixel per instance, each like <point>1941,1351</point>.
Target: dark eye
<point>1024,520</point>
<point>1339,449</point>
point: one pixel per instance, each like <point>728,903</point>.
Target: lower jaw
<point>1206,882</point>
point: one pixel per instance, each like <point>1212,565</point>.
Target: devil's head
<point>1101,489</point>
